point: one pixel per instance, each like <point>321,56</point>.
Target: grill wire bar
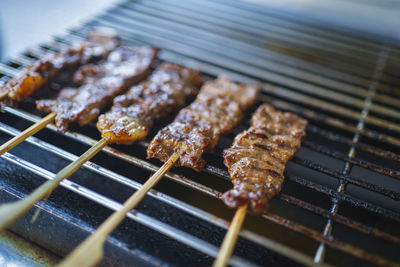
<point>380,66</point>
<point>282,98</point>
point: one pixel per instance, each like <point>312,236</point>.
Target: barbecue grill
<point>340,201</point>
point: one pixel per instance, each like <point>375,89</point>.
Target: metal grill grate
<point>340,200</point>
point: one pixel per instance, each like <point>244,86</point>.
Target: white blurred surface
<point>24,23</point>
<point>371,17</point>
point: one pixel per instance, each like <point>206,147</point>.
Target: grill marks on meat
<point>224,88</point>
<point>197,128</point>
<point>134,113</point>
<point>258,156</point>
<point>98,45</point>
<point>101,83</point>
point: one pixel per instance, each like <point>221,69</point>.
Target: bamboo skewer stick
<point>12,211</point>
<point>28,132</point>
<point>231,236</point>
<point>90,252</point>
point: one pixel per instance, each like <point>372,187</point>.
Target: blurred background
<point>359,17</point>
<point>24,23</point>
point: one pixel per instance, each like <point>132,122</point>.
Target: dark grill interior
<point>340,201</point>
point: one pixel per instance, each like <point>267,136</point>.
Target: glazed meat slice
<point>213,110</point>
<point>197,128</point>
<point>190,140</point>
<point>133,113</point>
<point>101,83</point>
<point>99,44</point>
<point>223,87</point>
<point>221,114</point>
<point>257,159</point>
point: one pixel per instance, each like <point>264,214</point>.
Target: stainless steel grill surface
<point>340,201</point>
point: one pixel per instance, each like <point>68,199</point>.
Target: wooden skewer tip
<point>26,133</point>
<point>231,237</point>
<point>90,252</point>
<point>10,212</point>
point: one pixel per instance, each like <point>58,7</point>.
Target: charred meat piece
<point>258,156</point>
<point>219,114</point>
<point>197,128</point>
<point>99,44</point>
<point>123,68</point>
<point>222,87</point>
<point>133,113</point>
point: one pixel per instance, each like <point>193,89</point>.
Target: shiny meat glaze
<point>197,128</point>
<point>222,87</point>
<point>257,158</point>
<point>98,45</point>
<point>134,113</point>
<point>101,83</point>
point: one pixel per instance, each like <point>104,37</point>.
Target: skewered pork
<point>258,156</point>
<point>133,113</point>
<point>196,129</point>
<point>123,68</point>
<point>98,45</point>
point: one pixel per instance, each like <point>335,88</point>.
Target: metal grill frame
<point>281,91</point>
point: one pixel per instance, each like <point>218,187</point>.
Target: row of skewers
<point>105,74</point>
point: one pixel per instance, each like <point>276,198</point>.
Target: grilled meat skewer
<point>99,44</point>
<point>133,113</point>
<point>123,68</point>
<point>210,91</point>
<point>196,129</point>
<point>168,88</point>
<point>258,156</point>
